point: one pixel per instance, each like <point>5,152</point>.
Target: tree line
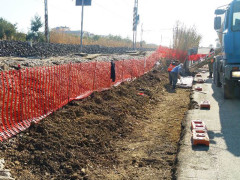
<point>8,31</point>
<point>184,37</point>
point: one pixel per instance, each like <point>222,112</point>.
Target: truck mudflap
<point>228,89</point>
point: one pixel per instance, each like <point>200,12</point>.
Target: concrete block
<point>200,137</point>
<point>200,80</point>
<point>205,105</point>
<point>198,125</point>
<point>198,88</point>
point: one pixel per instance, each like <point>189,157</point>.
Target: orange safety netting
<point>29,95</point>
<point>196,57</point>
<point>172,54</point>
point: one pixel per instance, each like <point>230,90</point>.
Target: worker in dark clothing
<point>170,68</point>
<point>175,74</point>
<point>210,67</point>
<point>210,64</point>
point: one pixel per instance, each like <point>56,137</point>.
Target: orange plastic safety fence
<point>169,53</point>
<point>29,95</point>
<point>196,57</point>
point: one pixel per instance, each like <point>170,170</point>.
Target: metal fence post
<point>20,106</point>
<point>94,77</point>
<point>69,81</point>
<point>122,70</point>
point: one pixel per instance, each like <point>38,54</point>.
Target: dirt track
<point>115,134</point>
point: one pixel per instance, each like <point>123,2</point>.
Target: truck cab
<point>227,65</point>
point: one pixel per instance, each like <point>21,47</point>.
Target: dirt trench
<point>129,132</point>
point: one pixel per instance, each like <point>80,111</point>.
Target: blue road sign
<point>86,2</point>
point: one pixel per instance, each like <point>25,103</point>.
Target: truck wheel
<point>228,92</point>
<point>217,80</point>
<point>216,75</point>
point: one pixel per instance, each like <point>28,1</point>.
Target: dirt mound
<point>87,139</point>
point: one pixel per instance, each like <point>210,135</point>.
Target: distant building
<point>67,30</point>
<point>77,33</point>
<point>61,29</point>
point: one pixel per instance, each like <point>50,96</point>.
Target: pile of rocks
<point>24,49</point>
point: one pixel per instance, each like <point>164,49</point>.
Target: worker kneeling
<point>175,74</point>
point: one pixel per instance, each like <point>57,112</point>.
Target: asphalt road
<point>221,160</point>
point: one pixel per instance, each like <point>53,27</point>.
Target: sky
<point>157,17</point>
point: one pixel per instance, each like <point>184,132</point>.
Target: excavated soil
<point>129,132</point>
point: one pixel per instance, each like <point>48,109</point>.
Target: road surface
<point>221,160</point>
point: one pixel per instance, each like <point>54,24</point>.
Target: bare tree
<point>185,38</point>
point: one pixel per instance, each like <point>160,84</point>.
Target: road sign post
<point>82,26</point>
<point>83,3</point>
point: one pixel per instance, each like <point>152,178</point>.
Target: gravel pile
<point>24,49</point>
<point>11,63</point>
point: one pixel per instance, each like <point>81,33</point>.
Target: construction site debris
<point>109,135</point>
<point>185,82</point>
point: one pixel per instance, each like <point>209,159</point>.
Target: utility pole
<point>141,43</point>
<point>46,21</point>
<point>135,23</point>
